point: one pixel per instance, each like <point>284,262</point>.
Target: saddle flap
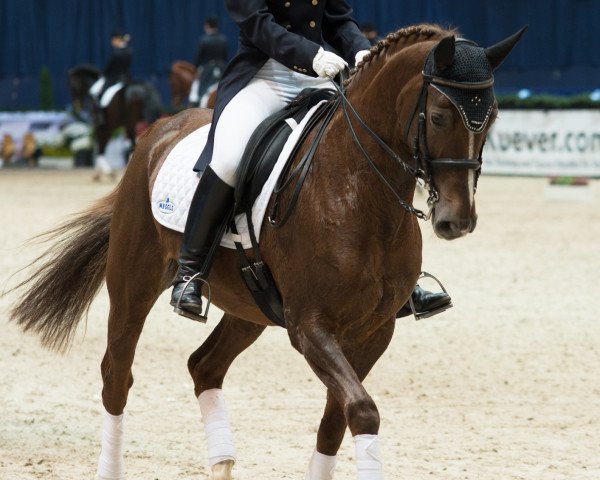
<point>266,144</point>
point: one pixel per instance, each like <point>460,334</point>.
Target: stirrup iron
<point>202,318</point>
<point>434,311</point>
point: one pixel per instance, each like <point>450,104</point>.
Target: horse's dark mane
<point>84,69</point>
<point>412,34</point>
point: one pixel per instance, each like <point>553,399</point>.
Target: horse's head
<point>448,127</point>
<point>80,79</point>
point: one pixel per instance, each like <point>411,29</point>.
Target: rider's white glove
<point>360,55</point>
<point>328,64</point>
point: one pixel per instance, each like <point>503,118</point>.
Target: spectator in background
<point>8,149</point>
<point>211,58</point>
<point>30,151</point>
<point>369,30</point>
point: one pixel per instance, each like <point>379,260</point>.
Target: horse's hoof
<point>222,470</point>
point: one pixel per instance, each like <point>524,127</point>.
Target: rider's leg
<point>96,91</point>
<point>214,194</point>
<point>194,98</point>
<point>273,87</point>
<point>209,206</point>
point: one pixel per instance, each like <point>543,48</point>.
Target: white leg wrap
<point>216,426</point>
<point>111,465</point>
<point>321,467</point>
<point>102,164</point>
<point>368,457</point>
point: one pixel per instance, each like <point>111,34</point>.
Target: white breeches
<point>272,88</point>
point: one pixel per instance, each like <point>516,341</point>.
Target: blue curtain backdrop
<point>559,53</point>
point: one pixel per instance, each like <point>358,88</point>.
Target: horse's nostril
<point>449,229</point>
<point>444,227</point>
<point>464,224</point>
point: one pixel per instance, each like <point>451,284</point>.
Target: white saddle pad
<point>176,183</point>
<point>110,92</point>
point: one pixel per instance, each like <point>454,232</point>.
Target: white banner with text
<point>544,143</point>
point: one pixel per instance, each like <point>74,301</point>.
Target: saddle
<point>267,142</point>
<point>260,156</point>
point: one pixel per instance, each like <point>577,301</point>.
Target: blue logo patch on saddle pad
<point>165,206</point>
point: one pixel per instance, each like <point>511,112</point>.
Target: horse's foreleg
<point>323,352</point>
<point>101,164</point>
<point>333,424</point>
<point>208,366</point>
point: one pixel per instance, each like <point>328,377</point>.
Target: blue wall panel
<point>558,54</point>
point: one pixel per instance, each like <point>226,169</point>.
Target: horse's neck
<point>374,93</point>
<point>385,93</point>
<point>353,194</point>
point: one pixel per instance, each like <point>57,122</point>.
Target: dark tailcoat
<point>118,66</point>
<point>289,31</point>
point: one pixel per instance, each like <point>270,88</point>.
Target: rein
<point>416,172</point>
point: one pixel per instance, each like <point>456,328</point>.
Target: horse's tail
<point>67,277</point>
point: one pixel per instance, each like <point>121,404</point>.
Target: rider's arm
<point>259,26</point>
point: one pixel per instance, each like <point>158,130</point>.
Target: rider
<point>280,53</point>
<point>211,58</point>
<point>369,30</point>
<point>117,69</point>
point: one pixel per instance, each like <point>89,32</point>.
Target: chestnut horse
<point>344,263</point>
<point>181,78</point>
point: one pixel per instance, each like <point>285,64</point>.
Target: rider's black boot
<point>426,303</point>
<point>211,202</point>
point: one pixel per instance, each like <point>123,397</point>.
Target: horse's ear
<point>444,53</point>
<point>497,53</point>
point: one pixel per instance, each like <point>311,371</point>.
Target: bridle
<point>420,151</point>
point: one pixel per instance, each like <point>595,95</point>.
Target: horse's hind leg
<point>134,281</point>
<point>333,424</point>
<point>208,366</point>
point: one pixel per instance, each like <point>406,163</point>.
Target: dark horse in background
<point>136,103</point>
<point>345,262</point>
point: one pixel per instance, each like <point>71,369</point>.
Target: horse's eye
<point>437,119</point>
